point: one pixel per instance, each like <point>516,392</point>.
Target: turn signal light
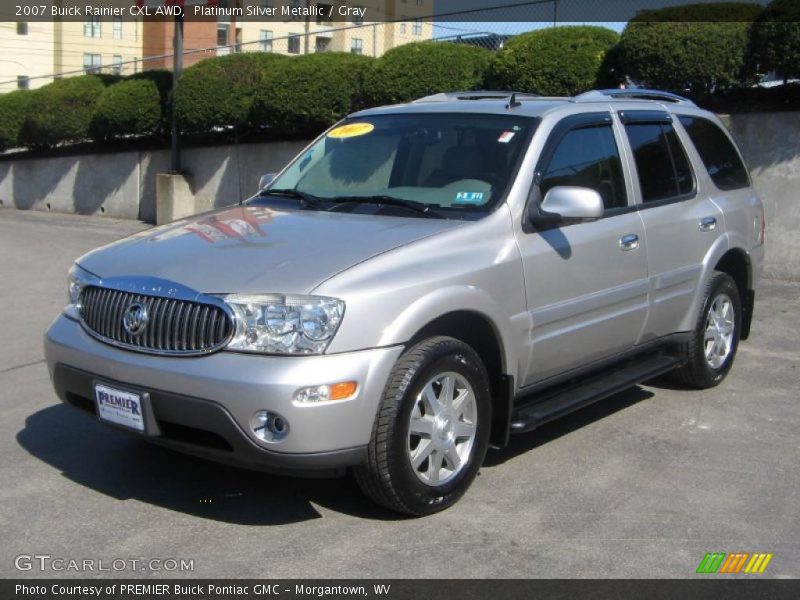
<point>326,393</point>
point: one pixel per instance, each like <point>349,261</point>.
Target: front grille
<point>173,326</point>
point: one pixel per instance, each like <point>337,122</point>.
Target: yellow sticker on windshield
<point>351,130</point>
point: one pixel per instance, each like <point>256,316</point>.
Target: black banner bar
<point>346,11</point>
<point>394,589</point>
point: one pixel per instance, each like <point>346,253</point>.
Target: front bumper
<point>203,405</point>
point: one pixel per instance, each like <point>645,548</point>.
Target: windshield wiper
<point>417,207</point>
<point>306,199</point>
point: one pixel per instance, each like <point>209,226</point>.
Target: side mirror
<point>265,181</point>
<point>568,204</point>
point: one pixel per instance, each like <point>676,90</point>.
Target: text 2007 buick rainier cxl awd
<point>422,281</point>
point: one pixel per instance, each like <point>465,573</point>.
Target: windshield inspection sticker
<point>506,137</point>
<point>351,130</point>
<point>469,198</point>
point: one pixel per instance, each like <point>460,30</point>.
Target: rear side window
<point>664,170</point>
<point>718,154</point>
<point>588,157</point>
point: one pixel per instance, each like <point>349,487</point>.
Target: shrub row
<point>693,49</point>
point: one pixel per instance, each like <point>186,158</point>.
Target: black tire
<point>388,477</point>
<point>698,372</point>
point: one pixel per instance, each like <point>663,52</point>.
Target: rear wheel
<point>431,432</point>
<point>713,346</point>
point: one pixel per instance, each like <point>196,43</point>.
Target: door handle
<point>708,224</point>
<point>629,242</point>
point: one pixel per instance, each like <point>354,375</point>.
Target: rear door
<point>586,283</point>
<point>681,222</point>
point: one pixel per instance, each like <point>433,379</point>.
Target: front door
<point>586,283</point>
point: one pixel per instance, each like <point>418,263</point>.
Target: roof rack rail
<point>633,94</point>
<point>475,95</point>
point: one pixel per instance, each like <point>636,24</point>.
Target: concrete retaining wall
<point>770,143</point>
<point>123,184</point>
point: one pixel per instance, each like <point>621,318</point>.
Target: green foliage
<point>307,94</point>
<point>131,107</point>
<point>561,61</point>
<point>61,112</point>
<point>731,12</point>
<point>218,92</point>
<point>414,70</point>
<point>704,52</point>
<point>13,111</point>
<point>776,39</point>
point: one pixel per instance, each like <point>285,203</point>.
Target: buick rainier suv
<point>421,282</point>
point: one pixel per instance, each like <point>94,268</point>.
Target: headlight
<point>76,280</point>
<point>277,324</point>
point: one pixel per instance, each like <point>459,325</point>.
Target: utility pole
<point>177,68</point>
<point>555,13</point>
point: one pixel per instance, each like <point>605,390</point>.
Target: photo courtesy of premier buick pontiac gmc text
<point>421,282</point>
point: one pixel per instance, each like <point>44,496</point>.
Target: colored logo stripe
<point>721,562</point>
<point>758,564</point>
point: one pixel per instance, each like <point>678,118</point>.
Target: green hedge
<point>706,52</point>
<point>306,94</point>
<point>414,70</point>
<point>61,112</point>
<point>560,61</point>
<point>218,92</point>
<point>13,110</point>
<point>776,39</point>
<point>131,107</point>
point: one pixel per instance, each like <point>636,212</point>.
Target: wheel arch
<point>736,263</point>
<point>479,332</point>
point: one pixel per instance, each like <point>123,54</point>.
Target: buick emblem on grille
<point>134,319</point>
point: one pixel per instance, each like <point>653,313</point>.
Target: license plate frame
<point>123,408</point>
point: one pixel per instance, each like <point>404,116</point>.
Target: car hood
<point>255,249</point>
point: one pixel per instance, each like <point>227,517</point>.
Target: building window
<point>357,18</point>
<point>419,2</point>
<point>403,26</point>
<point>91,27</point>
<point>265,40</point>
<point>266,3</point>
<point>294,43</point>
<point>92,63</point>
<point>321,44</point>
<point>22,28</point>
<point>117,64</point>
<point>417,29</point>
<point>23,82</point>
<point>357,46</point>
<point>222,35</point>
<point>117,28</point>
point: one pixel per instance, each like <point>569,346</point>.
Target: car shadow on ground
<point>123,467</point>
<point>520,444</point>
<point>119,465</point>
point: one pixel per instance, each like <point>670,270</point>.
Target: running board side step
<point>564,400</point>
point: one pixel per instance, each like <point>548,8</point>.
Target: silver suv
<point>422,281</point>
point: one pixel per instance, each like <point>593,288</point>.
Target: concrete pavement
<point>641,485</point>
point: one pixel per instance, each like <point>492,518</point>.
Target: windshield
<point>452,164</point>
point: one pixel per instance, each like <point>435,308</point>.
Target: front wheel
<point>431,432</point>
<point>711,351</point>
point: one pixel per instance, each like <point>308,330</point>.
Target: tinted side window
<point>588,157</point>
<point>717,153</point>
<point>664,170</point>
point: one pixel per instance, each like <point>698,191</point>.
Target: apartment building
<point>33,54</point>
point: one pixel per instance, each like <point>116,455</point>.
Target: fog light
<point>269,426</point>
<point>325,393</point>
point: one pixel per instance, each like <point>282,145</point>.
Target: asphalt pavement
<point>640,485</point>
